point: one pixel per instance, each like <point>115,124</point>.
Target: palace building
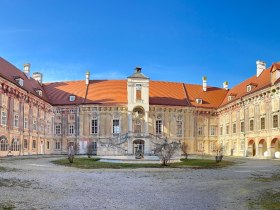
<point>120,117</point>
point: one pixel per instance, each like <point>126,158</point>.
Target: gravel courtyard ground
<point>35,183</point>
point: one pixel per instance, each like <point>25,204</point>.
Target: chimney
<point>225,85</point>
<point>38,77</point>
<point>138,69</point>
<point>26,69</point>
<point>260,67</point>
<point>204,84</point>
<point>87,77</point>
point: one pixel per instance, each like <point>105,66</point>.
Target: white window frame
<point>72,98</point>
<point>16,120</point>
<point>116,126</point>
<point>57,129</point>
<point>94,126</point>
<point>4,118</point>
<point>159,127</point>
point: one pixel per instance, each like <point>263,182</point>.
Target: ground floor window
<point>25,143</point>
<point>48,145</point>
<point>57,145</point>
<point>15,144</point>
<point>3,143</point>
<point>34,144</point>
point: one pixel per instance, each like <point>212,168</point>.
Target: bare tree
<point>72,150</point>
<point>184,148</point>
<point>166,150</point>
<point>219,152</point>
<point>90,149</point>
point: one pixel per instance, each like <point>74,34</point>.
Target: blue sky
<point>172,40</point>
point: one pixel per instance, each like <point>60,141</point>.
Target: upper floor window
<point>94,126</point>
<point>179,128</point>
<point>275,121</point>
<point>4,118</point>
<point>200,131</point>
<point>16,120</point>
<point>242,128</point>
<point>25,123</point>
<point>116,126</point>
<point>138,92</point>
<point>71,129</point>
<point>58,129</point>
<point>221,130</point>
<point>39,92</point>
<point>234,128</point>
<point>251,125</point>
<point>227,129</point>
<point>212,130</point>
<point>262,123</point>
<point>34,125</point>
<point>158,127</point>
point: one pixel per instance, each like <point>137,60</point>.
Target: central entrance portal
<point>138,147</point>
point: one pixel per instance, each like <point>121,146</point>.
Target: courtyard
<point>37,183</point>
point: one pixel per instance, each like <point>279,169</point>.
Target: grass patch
<point>267,200</point>
<point>16,183</point>
<point>274,177</point>
<point>7,206</point>
<point>94,163</point>
<point>6,169</point>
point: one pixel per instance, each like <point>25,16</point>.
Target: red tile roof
<point>240,90</point>
<point>212,98</point>
<point>167,93</point>
<point>114,92</point>
<point>10,72</point>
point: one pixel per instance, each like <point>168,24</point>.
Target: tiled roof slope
<point>107,92</point>
<point>10,72</point>
<point>240,90</point>
<point>167,93</point>
<point>59,92</point>
<point>212,98</point>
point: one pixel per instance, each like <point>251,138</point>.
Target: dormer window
<point>20,81</point>
<point>231,96</point>
<point>72,98</point>
<point>250,87</point>
<point>198,100</point>
<point>40,93</point>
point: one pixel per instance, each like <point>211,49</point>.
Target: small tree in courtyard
<point>165,151</point>
<point>219,152</point>
<point>72,150</point>
<point>90,149</point>
<point>184,148</point>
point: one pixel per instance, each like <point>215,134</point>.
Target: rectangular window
<point>212,130</point>
<point>25,143</point>
<point>212,146</point>
<point>25,124</point>
<point>158,127</point>
<point>227,129</point>
<point>116,126</point>
<point>72,117</point>
<point>179,128</point>
<point>48,145</point>
<point>234,128</point>
<point>221,130</point>
<point>34,125</point>
<point>34,144</point>
<point>137,126</point>
<point>242,128</point>
<point>71,129</point>
<point>251,125</point>
<point>57,145</point>
<point>57,129</point>
<point>200,131</point>
<point>4,118</point>
<point>94,126</point>
<point>138,92</point>
<point>16,120</point>
<point>262,123</point>
<point>275,121</point>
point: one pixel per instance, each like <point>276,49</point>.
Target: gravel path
<point>38,184</point>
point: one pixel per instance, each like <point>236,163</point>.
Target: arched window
<point>3,143</point>
<point>15,144</point>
